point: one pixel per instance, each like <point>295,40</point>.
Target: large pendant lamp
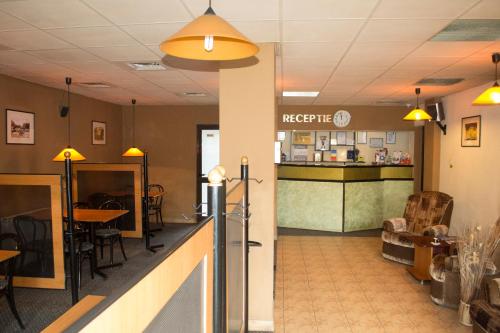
<point>209,37</point>
<point>491,96</point>
<point>73,153</point>
<point>133,151</point>
<point>417,113</point>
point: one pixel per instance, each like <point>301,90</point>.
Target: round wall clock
<point>341,118</point>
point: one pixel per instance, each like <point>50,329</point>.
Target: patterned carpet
<point>342,284</point>
<point>39,307</point>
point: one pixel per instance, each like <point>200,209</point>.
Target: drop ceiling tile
<point>429,62</point>
<point>488,51</point>
<point>467,68</point>
<point>9,23</point>
<point>94,36</point>
<point>397,30</point>
<point>486,9</point>
<point>327,9</point>
<point>153,34</point>
<point>65,55</point>
<point>164,77</point>
<point>31,40</point>
<point>359,71</point>
<point>297,100</point>
<point>94,67</point>
<point>377,59</point>
<point>321,31</point>
<point>54,13</point>
<point>259,31</point>
<point>329,100</point>
<point>312,50</point>
<point>124,53</point>
<point>237,10</point>
<point>19,58</point>
<point>125,12</point>
<point>449,49</point>
<point>421,8</point>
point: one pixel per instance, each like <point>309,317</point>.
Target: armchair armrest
<point>436,230</point>
<point>397,224</point>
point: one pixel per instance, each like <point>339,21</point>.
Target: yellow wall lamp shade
<point>491,96</point>
<point>70,153</point>
<point>417,113</point>
<point>133,152</point>
<point>209,37</point>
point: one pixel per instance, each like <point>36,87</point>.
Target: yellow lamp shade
<point>133,152</point>
<point>417,114</point>
<point>209,37</point>
<point>490,96</point>
<point>72,154</point>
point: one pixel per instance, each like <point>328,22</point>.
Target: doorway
<point>208,156</point>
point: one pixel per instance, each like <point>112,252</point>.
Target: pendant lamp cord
<point>133,122</point>
<point>417,91</point>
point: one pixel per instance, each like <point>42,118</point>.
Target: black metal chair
<point>111,231</point>
<point>156,203</point>
<point>95,200</point>
<point>10,241</point>
<point>35,239</point>
<point>84,250</point>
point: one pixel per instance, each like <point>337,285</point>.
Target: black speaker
<point>436,111</point>
<point>64,111</point>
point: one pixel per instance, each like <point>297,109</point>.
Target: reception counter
<point>341,197</point>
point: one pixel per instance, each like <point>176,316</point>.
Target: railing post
<point>244,179</point>
<point>217,209</point>
<point>70,231</point>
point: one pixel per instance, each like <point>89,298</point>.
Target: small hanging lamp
<point>417,113</point>
<point>133,151</point>
<point>68,152</point>
<point>209,37</point>
<point>491,96</point>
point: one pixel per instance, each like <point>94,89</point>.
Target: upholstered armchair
<point>427,214</point>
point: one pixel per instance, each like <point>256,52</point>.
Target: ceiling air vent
<point>470,30</point>
<point>147,66</point>
<point>194,94</point>
<point>390,102</point>
<point>94,84</point>
<point>438,82</point>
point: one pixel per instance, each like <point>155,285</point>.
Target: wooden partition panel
<point>114,168</point>
<point>139,306</point>
<point>52,213</point>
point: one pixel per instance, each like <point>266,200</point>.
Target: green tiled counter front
<point>341,198</point>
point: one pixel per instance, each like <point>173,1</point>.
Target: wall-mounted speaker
<point>436,111</point>
<point>64,111</point>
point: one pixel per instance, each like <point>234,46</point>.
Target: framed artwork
<point>281,136</point>
<point>20,127</point>
<point>350,138</point>
<point>390,138</point>
<point>303,138</point>
<point>341,138</point>
<point>322,140</point>
<point>98,132</point>
<point>361,137</point>
<point>376,143</point>
<point>471,131</point>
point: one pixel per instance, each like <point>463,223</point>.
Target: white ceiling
<point>352,51</point>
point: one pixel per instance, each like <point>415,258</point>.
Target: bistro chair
<point>84,250</point>
<point>95,200</point>
<point>156,203</point>
<point>110,232</point>
<point>10,241</point>
<point>35,238</point>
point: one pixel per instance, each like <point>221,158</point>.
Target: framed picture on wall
<point>322,140</point>
<point>20,127</point>
<point>471,131</point>
<point>341,138</point>
<point>390,138</point>
<point>303,138</point>
<point>98,132</point>
<point>361,137</point>
<point>376,143</point>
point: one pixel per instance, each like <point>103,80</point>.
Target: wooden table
<point>8,254</point>
<point>424,251</point>
<point>93,217</point>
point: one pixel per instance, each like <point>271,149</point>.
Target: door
<point>208,158</point>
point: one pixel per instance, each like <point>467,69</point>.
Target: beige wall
<point>51,129</point>
<point>247,124</point>
<point>471,175</point>
<point>168,133</point>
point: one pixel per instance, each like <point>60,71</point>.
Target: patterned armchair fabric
<point>426,213</point>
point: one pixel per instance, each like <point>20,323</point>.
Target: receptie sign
<point>306,118</point>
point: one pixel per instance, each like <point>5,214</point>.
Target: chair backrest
<point>81,204</point>
<point>112,205</point>
<point>428,208</point>
<point>30,229</point>
<point>157,201</point>
<point>95,200</point>
<point>9,241</point>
